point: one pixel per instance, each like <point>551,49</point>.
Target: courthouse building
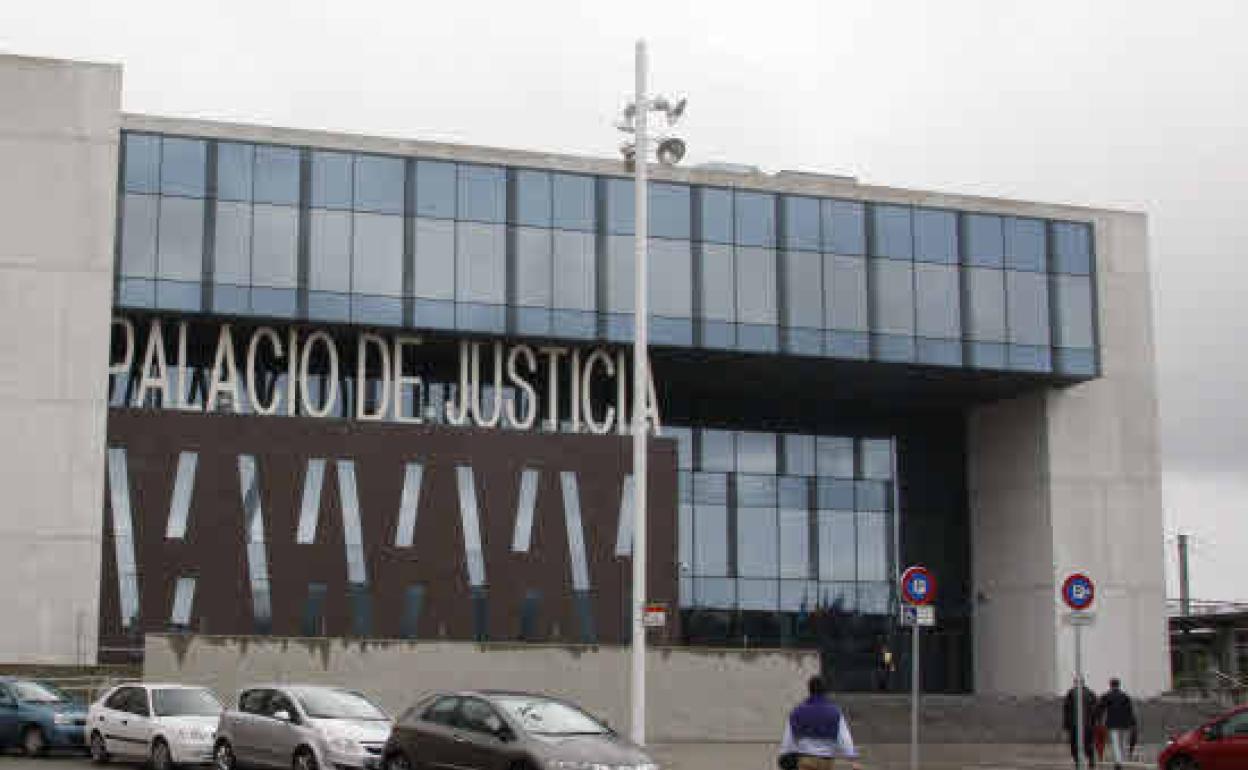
<point>280,382</point>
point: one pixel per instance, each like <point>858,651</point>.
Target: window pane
<point>574,266</point>
<point>716,215</point>
<point>183,167</point>
<point>533,275</point>
<point>710,488</point>
<point>938,301</point>
<point>718,284</point>
<point>379,184</point>
<point>378,262</point>
<point>835,494</point>
<point>533,198</point>
<point>758,543</point>
<point>1024,244</point>
<point>276,175</point>
<point>877,458</point>
<point>891,235</point>
<point>844,228</point>
<point>234,171</point>
<point>181,245</point>
<point>573,202</point>
<point>142,163</point>
<point>138,236</point>
<point>710,533</point>
<point>756,219</point>
<point>479,264</point>
<point>329,251</point>
<point>935,236</point>
<point>435,259</point>
<point>331,180</point>
<point>435,189</point>
<point>872,547</point>
<point>985,243</point>
<point>985,306</point>
<point>1027,301</point>
<point>1074,311</point>
<point>837,547</point>
<point>756,285</point>
<point>892,295</point>
<point>756,452</point>
<point>482,193</point>
<point>619,274</point>
<point>845,293</point>
<point>668,215</point>
<point>232,261</point>
<point>835,456</point>
<point>620,206</point>
<point>794,542</point>
<point>718,450</point>
<point>1072,248</point>
<point>801,223</point>
<point>799,455</point>
<point>803,294</point>
<point>670,278</point>
<point>275,231</point>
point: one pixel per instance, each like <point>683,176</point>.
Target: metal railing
<point>1174,607</point>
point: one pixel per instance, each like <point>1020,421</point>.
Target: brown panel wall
<point>214,550</point>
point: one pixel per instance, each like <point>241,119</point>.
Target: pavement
<point>757,756</point>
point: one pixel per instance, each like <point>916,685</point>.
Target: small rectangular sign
<point>655,616</point>
<point>925,615</point>
<point>1080,618</point>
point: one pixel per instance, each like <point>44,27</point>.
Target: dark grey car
<point>491,730</point>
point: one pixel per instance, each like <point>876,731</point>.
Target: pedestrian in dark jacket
<point>1119,717</point>
<point>1089,721</point>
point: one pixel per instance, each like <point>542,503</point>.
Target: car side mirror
<point>1211,733</point>
<point>282,716</point>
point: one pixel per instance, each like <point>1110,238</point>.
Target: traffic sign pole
<point>1078,592</point>
<point>918,589</point>
<point>1078,696</point>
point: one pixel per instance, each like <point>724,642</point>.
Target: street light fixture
<point>669,151</point>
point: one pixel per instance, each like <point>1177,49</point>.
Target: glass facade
<point>315,235</point>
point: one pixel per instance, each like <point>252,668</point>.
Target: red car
<point>1221,744</point>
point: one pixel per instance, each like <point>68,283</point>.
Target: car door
<point>276,738</point>
<point>1230,750</point>
<point>107,717</point>
<point>118,725</point>
<point>432,745</point>
<point>476,743</point>
<point>8,716</point>
<point>245,727</point>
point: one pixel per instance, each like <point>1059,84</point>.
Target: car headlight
<point>62,719</point>
<point>345,745</point>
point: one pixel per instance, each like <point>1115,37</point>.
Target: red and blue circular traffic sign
<point>1078,591</point>
<point>918,587</point>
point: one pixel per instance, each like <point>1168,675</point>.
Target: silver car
<point>301,727</point>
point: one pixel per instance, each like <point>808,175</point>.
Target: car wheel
<point>160,759</point>
<point>1182,763</point>
<point>98,749</point>
<point>304,760</point>
<point>398,761</point>
<point>34,744</point>
<point>223,756</point>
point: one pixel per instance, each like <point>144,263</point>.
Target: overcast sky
<point>1135,103</point>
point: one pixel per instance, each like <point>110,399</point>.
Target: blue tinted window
<point>234,171</point>
<point>844,227</point>
<point>715,215</point>
<point>533,198</point>
<point>379,184</point>
<point>331,180</point>
<point>669,210</point>
<point>890,232</point>
<point>276,175</point>
<point>985,242</point>
<point>756,219</point>
<point>183,166</point>
<point>435,189</point>
<point>620,206</point>
<point>1072,248</point>
<point>801,223</point>
<point>935,236</point>
<point>482,193</point>
<point>1024,244</point>
<point>573,202</point>
<point>142,163</point>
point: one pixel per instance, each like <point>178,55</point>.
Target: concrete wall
<point>1070,480</point>
<point>58,148</point>
<point>693,694</point>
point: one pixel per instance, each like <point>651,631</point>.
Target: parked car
<point>161,724</point>
<point>1220,744</point>
<point>492,730</point>
<point>36,717</point>
<point>302,727</point>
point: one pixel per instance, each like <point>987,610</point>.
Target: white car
<point>160,724</point>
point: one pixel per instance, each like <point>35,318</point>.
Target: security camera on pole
<point>669,151</point>
<point>1078,592</point>
<point>918,591</point>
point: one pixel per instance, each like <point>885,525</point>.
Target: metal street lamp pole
<point>640,391</point>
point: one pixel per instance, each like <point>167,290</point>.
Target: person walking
<point>1119,716</point>
<point>1080,690</point>
<point>816,733</point>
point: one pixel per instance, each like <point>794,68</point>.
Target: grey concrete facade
<point>58,146</point>
<point>1070,480</point>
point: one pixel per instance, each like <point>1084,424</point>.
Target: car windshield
<point>34,692</point>
<point>184,701</point>
<point>337,704</point>
<point>543,716</point>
